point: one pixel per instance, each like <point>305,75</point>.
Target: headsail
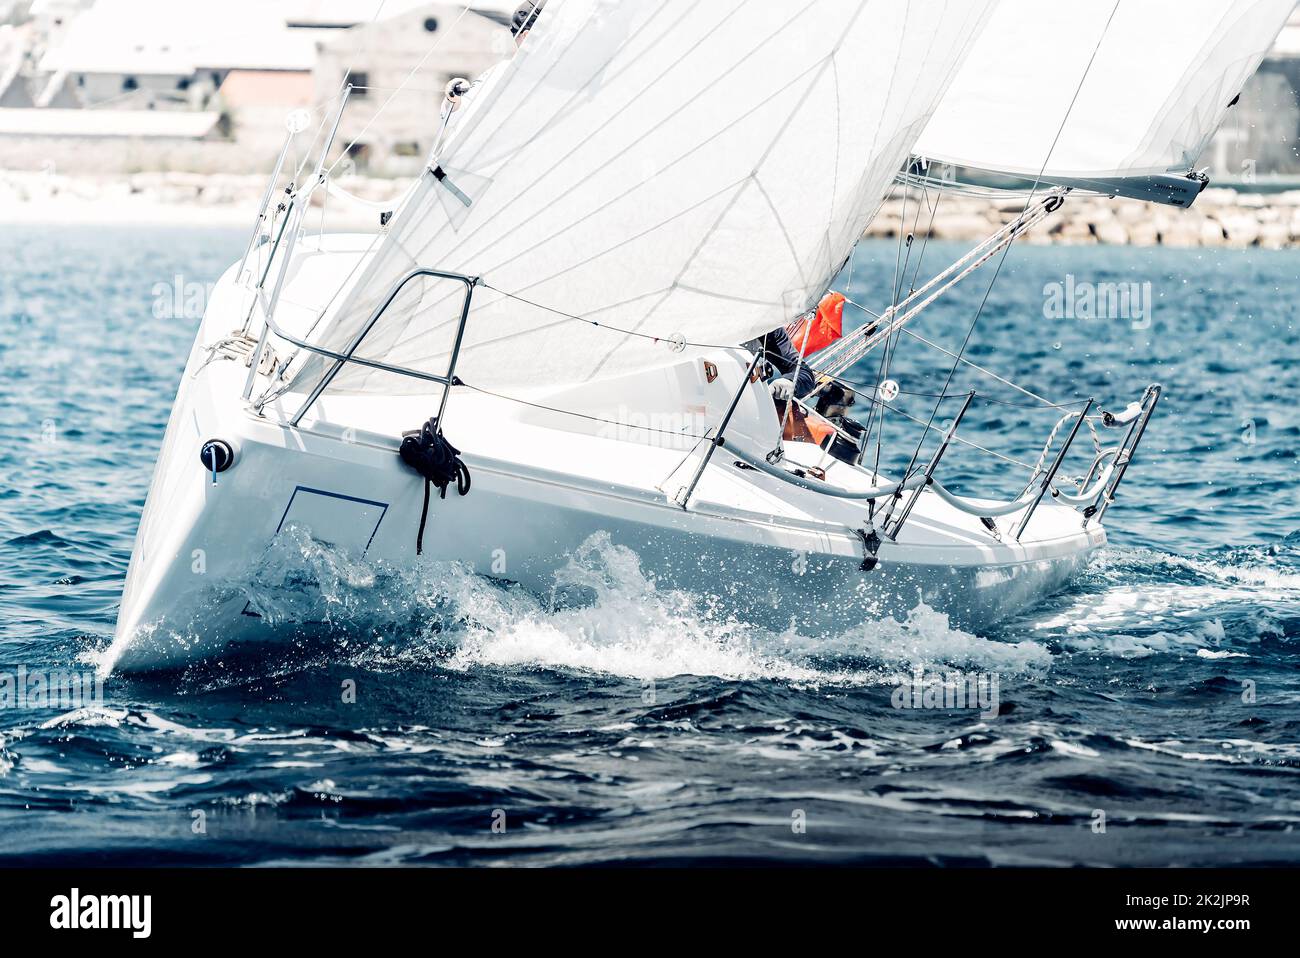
<point>1140,86</point>
<point>688,171</point>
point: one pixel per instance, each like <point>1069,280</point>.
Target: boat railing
<point>290,215</point>
<point>1092,500</point>
<point>1096,489</point>
<point>1119,465</point>
<point>341,359</point>
<point>283,226</point>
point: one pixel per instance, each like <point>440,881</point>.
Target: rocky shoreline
<point>1219,218</point>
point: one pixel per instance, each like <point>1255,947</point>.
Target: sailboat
<point>566,293</point>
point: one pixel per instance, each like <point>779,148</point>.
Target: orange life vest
<point>822,328</point>
<point>806,426</point>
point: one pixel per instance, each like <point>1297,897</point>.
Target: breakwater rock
<point>1219,217</point>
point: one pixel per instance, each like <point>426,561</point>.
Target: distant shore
<point>1219,218</point>
<point>194,199</point>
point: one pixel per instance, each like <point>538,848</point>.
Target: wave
<point>1224,604</point>
<point>1219,604</point>
<point>443,615</point>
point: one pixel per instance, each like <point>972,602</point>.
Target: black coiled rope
<point>430,454</point>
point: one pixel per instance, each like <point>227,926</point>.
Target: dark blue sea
<point>1150,715</point>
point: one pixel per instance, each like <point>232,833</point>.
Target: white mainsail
<point>1135,88</point>
<point>688,171</point>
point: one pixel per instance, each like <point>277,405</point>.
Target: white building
<point>418,51</point>
<point>174,54</point>
<point>1260,136</point>
<point>228,72</point>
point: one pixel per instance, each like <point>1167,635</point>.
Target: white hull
<point>542,484</point>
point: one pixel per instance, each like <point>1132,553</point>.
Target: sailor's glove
<point>456,88</point>
<point>783,389</point>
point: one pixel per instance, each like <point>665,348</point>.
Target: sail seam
<point>777,137</point>
<point>605,252</point>
<point>621,196</point>
<point>577,147</point>
<point>647,135</point>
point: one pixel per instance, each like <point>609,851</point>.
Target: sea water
<point>1149,715</point>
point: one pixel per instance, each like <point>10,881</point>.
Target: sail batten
<point>680,170</point>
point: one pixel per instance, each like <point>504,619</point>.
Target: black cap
<point>526,16</point>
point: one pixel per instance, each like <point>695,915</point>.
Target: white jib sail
<point>690,171</point>
<point>1161,78</point>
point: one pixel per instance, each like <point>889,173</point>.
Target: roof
<point>267,88</point>
<point>170,124</point>
<point>57,8</point>
<point>349,13</point>
<point>346,13</point>
<point>178,37</point>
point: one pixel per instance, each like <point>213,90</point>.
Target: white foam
<point>636,630</point>
<point>1150,602</point>
<point>1074,750</point>
<point>89,717</point>
<point>147,787</point>
<point>1198,640</point>
<point>443,615</point>
<point>180,760</point>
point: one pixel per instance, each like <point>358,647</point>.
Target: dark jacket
<point>780,352</point>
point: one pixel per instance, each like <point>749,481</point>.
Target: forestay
<point>689,171</point>
<point>1133,87</point>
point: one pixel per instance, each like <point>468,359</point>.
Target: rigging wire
<point>925,241</point>
<point>891,342</point>
<point>988,372</point>
<point>901,266</point>
<point>971,190</point>
<point>669,341</point>
<point>957,438</point>
<point>705,436</point>
<point>868,393</point>
<point>1006,249</point>
<point>581,415</point>
<point>433,48</point>
<point>876,418</point>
